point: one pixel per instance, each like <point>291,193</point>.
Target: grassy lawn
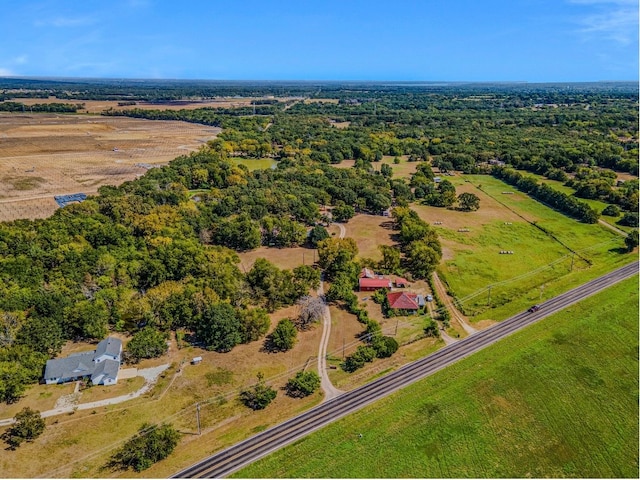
<point>101,392</point>
<point>542,241</point>
<point>255,163</point>
<point>559,399</point>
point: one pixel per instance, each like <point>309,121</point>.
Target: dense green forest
<point>160,252</point>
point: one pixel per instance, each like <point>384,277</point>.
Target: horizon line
<point>257,80</point>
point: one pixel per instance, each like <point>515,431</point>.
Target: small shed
<point>196,360</point>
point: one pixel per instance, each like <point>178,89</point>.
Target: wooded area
<point>160,252</point>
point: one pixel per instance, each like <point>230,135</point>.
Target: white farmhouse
<point>102,365</point>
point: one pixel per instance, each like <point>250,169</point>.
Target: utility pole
<point>541,289</point>
<point>489,299</point>
<point>396,334</point>
<point>198,417</point>
<point>573,255</point>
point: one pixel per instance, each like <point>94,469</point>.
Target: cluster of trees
<point>259,395</point>
<point>150,445</point>
<point>54,107</point>
<point>546,194</point>
<point>418,241</point>
<point>145,254</point>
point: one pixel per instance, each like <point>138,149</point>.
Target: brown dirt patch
<point>369,231</point>
<point>43,155</point>
<point>283,258</point>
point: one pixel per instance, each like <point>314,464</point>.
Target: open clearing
<point>43,155</point>
<point>558,399</point>
<point>541,239</point>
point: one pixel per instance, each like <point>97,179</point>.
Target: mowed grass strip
<point>559,399</point>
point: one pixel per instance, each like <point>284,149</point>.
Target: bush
<point>362,355</point>
<point>149,446</point>
<point>629,220</point>
<point>611,211</point>
<point>303,384</point>
<point>431,328</point>
<point>258,396</point>
<point>384,346</point>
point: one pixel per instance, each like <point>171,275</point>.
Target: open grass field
<point>597,205</point>
<point>404,169</point>
<point>42,155</point>
<point>542,241</point>
<point>559,399</point>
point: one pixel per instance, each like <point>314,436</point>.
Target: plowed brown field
<point>42,155</point>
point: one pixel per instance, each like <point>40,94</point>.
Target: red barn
<point>371,284</point>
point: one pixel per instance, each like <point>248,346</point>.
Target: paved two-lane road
<point>237,456</point>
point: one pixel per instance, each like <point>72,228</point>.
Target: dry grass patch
<point>102,392</point>
<point>370,231</point>
<point>98,106</point>
<point>42,155</point>
<point>283,258</point>
<point>37,397</point>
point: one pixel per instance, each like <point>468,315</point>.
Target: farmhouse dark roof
<point>403,300</point>
<point>109,368</point>
<point>72,366</point>
<point>84,364</point>
<point>110,346</point>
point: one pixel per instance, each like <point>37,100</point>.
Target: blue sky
<point>410,40</point>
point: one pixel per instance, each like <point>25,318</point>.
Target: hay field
<point>98,106</point>
<point>541,239</point>
<point>43,155</point>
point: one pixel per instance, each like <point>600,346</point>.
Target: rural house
<point>369,281</point>
<point>405,301</point>
<point>101,365</point>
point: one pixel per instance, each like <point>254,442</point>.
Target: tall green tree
<point>284,336</point>
<point>28,426</point>
<point>147,343</point>
<point>218,327</point>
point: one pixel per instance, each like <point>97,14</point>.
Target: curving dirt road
<point>442,293</point>
<point>325,383</point>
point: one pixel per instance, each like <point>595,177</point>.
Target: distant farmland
<point>42,155</point>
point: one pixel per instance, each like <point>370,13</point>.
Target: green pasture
<point>543,263</point>
<point>558,399</point>
<point>597,205</point>
<point>255,163</point>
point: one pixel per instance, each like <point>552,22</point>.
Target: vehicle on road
<point>535,308</point>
